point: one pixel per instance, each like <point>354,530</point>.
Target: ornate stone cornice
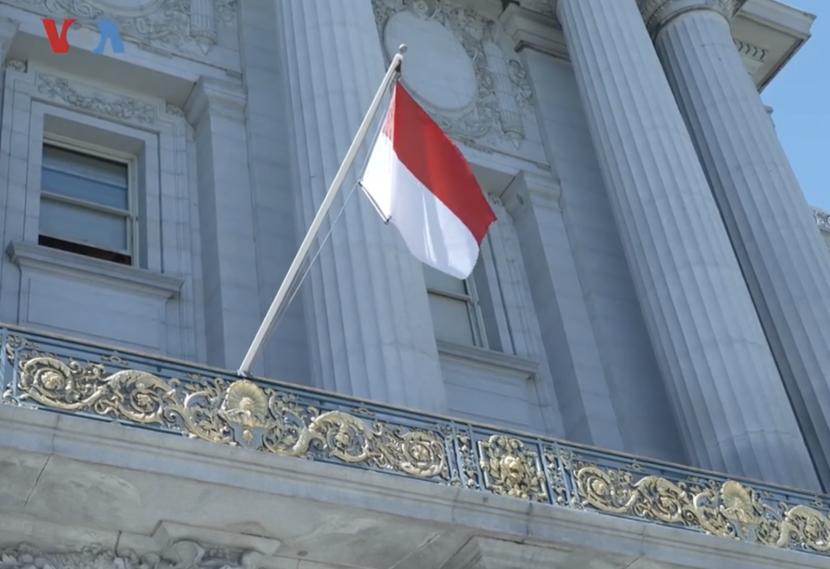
<point>657,13</point>
<point>822,219</point>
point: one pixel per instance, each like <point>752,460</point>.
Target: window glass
<point>436,280</point>
<point>451,319</point>
<point>84,177</point>
<point>453,308</point>
<point>85,205</point>
<point>83,225</point>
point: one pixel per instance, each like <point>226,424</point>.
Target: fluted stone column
<point>721,378</point>
<point>370,329</point>
<point>770,223</point>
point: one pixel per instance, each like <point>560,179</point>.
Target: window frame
<point>131,214</point>
<point>475,318</point>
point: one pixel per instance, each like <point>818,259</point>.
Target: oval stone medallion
<point>436,66</point>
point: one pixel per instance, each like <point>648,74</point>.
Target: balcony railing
<point>75,377</point>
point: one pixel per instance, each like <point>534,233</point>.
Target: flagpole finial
<point>399,57</point>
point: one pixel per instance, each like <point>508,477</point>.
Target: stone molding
<point>751,51</point>
<point>217,95</point>
<point>488,358</point>
<point>490,553</point>
<point>532,190</point>
<point>532,28</point>
<point>149,282</point>
<point>657,13</point>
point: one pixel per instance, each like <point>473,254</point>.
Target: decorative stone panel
<point>480,91</point>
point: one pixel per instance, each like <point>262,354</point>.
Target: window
<point>456,313</point>
<point>85,204</point>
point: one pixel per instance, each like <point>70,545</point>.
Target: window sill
<point>32,255</point>
<point>488,358</point>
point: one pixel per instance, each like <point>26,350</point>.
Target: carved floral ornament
<point>241,412</point>
<point>170,24</point>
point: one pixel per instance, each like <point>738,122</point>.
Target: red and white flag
<point>420,181</point>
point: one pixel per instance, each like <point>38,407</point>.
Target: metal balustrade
<point>75,377</point>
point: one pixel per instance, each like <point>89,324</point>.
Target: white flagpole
<point>336,184</point>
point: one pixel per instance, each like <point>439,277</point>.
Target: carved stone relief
<point>183,554</point>
<point>822,219</point>
<point>95,100</point>
<point>478,90</point>
<point>17,65</point>
<point>189,25</point>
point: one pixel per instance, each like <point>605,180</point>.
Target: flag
<point>420,182</point>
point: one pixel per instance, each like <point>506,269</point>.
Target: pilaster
<point>216,109</point>
<point>370,332</point>
<point>8,29</point>
<point>570,346</point>
<point>770,224</point>
<point>722,381</point>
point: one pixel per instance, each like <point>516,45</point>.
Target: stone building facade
<point>642,353</point>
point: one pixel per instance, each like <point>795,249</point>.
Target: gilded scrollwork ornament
<point>235,413</point>
<point>288,422</point>
<point>727,509</point>
<point>511,469</point>
<point>468,469</point>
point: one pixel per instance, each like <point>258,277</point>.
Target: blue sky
<point>800,97</point>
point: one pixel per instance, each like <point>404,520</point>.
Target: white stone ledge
<point>488,358</point>
<point>149,282</point>
<point>71,464</point>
